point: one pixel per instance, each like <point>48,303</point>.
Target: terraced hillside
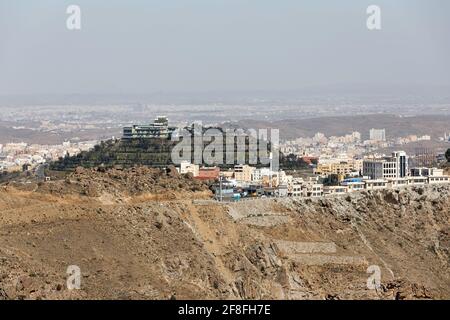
<point>124,153</point>
<point>157,153</point>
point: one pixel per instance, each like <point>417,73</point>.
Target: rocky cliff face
<point>129,245</point>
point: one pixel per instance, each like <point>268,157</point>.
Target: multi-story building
<point>334,190</point>
<point>420,172</point>
<point>376,184</point>
<point>228,175</point>
<point>401,160</point>
<point>283,178</point>
<point>243,172</point>
<point>432,175</point>
<point>417,180</point>
<point>266,176</point>
<point>314,190</point>
<point>353,186</point>
<point>398,182</point>
<point>158,129</point>
<point>377,134</point>
<point>341,168</point>
<point>282,191</point>
<point>374,168</point>
<point>271,180</point>
<point>208,173</point>
<point>392,167</point>
<point>438,179</point>
<point>297,187</point>
<point>258,174</point>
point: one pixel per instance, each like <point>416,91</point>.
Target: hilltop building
<point>158,129</point>
<point>340,168</point>
<point>395,166</point>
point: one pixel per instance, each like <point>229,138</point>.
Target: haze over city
<point>223,49</point>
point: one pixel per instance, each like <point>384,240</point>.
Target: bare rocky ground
<point>145,234</point>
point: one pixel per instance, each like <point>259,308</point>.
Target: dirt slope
<point>129,245</point>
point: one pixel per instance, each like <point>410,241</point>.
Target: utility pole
<point>270,173</point>
<point>220,187</point>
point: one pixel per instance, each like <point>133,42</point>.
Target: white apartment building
<point>393,167</point>
<point>353,186</point>
<point>398,182</point>
<point>258,174</point>
<point>282,191</point>
<point>334,190</point>
<point>377,134</point>
<point>417,180</point>
<point>243,172</point>
<point>283,178</point>
<point>438,179</point>
<point>426,172</point>
<point>432,175</point>
<point>267,177</point>
<point>314,190</point>
<point>376,184</point>
<point>297,187</point>
<point>310,188</point>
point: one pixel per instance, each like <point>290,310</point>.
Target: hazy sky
<point>143,46</point>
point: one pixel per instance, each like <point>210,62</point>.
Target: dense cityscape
<point>332,165</point>
<point>220,158</point>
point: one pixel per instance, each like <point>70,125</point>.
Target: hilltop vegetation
<point>128,153</point>
<point>153,152</point>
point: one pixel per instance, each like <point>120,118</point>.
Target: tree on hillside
<point>292,161</point>
<point>331,180</point>
<point>447,155</point>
